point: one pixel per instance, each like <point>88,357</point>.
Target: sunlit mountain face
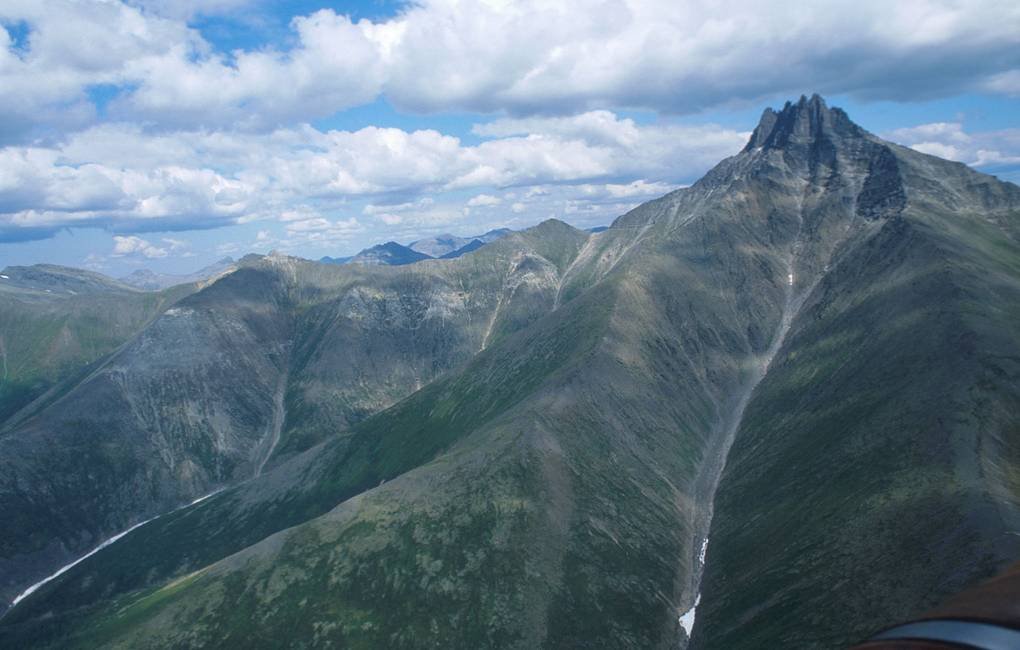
<point>504,325</point>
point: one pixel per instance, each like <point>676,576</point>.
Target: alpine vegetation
<point>806,357</point>
<point>510,325</point>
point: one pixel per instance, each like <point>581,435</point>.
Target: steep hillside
<point>879,458</point>
<point>56,321</point>
<point>258,366</point>
<point>786,394</point>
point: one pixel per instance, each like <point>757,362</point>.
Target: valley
<point>687,429</point>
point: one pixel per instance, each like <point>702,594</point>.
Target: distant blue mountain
<point>439,247</point>
<point>473,245</point>
<point>391,253</point>
<point>334,260</point>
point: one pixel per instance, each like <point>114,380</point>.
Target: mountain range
<point>152,281</point>
<point>777,408</point>
<point>439,247</point>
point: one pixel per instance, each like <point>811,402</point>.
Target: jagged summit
<point>553,427</point>
<point>803,123</point>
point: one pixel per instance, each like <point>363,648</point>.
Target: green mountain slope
<point>257,367</point>
<point>876,470</point>
<point>55,321</point>
<point>807,358</point>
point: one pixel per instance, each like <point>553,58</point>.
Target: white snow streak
<point>687,618</point>
<point>28,592</point>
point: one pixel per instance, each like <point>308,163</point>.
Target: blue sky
<point>166,134</point>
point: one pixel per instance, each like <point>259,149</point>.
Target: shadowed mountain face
<point>56,321</point>
<point>807,360</point>
<point>444,247</point>
<point>257,367</point>
<point>390,253</point>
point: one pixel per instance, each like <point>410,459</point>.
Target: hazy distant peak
<point>53,278</point>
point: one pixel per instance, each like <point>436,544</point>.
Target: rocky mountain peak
<point>805,123</point>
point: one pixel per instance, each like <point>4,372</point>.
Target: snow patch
<point>5,277</point>
<point>28,592</point>
<point>64,569</point>
<point>687,620</point>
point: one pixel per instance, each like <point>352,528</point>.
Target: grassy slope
<point>411,433</point>
<point>318,285</point>
<point>543,495</point>
<point>45,339</point>
<point>576,439</point>
<point>351,341</point>
<point>904,370</point>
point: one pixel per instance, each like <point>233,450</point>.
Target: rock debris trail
<point>719,445</point>
<point>511,267</point>
<point>275,427</point>
<point>582,256</point>
<point>28,592</point>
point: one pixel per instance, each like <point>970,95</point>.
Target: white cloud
<point>1005,83</point>
<point>136,246</point>
<point>175,244</point>
<point>187,136</point>
<point>420,204</point>
<point>72,46</point>
<point>483,201</point>
<point>988,149</point>
<point>121,177</point>
<point>678,56</point>
<point>41,188</point>
<point>336,65</point>
<point>437,55</point>
<point>185,9</point>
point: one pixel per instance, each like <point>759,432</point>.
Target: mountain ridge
<point>630,430</point>
<point>150,280</point>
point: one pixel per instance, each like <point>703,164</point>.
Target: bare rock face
<point>257,367</point>
<point>780,403</point>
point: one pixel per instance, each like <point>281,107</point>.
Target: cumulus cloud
<point>437,55</point>
<point>992,150</point>
<point>125,246</point>
<point>121,177</point>
<point>337,65</point>
<point>483,201</point>
<point>120,115</point>
<point>41,190</point>
<point>71,47</point>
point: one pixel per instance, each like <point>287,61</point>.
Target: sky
<point>167,134</point>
